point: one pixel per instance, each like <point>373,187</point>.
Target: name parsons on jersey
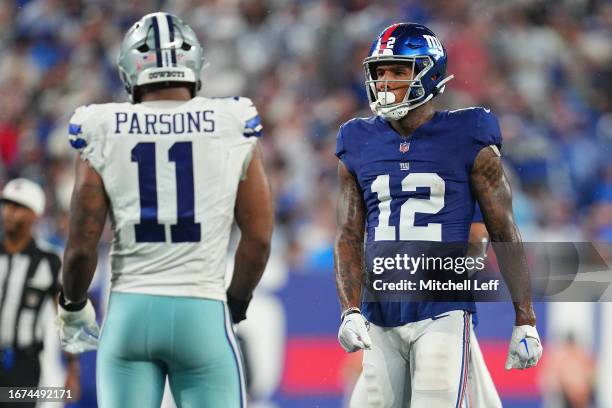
<point>164,123</point>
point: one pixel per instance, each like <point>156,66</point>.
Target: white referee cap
<point>26,193</point>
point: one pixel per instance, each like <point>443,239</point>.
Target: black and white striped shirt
<point>29,282</point>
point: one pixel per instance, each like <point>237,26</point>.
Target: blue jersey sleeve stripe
<point>253,134</point>
<point>74,129</point>
<point>78,143</point>
<point>253,123</point>
<point>253,127</point>
<point>257,128</point>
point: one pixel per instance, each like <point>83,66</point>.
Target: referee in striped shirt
<point>28,285</point>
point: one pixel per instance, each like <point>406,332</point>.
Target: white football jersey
<point>171,170</point>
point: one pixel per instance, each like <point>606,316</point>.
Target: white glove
<point>525,348</point>
<point>78,331</point>
<point>353,333</point>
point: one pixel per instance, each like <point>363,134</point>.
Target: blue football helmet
<point>406,43</point>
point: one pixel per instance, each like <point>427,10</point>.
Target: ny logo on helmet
<point>433,42</point>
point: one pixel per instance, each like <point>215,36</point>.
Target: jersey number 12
<point>407,230</point>
<point>149,229</point>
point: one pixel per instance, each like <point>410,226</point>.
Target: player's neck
<point>167,94</point>
<point>415,118</point>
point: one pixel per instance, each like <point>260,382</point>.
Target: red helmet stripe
<point>385,36</point>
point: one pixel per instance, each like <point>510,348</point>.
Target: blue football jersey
<point>477,214</point>
<point>416,189</point>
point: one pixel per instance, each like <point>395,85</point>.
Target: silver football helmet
<point>159,47</point>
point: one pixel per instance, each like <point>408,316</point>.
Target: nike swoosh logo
<point>440,316</point>
<point>524,342</point>
<point>90,333</point>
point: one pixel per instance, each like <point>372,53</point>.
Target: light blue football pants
<point>191,341</point>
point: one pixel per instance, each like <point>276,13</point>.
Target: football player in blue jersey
<point>411,174</point>
<point>481,390</point>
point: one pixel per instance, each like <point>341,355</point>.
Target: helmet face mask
<point>379,103</point>
<point>160,48</point>
<point>405,43</point>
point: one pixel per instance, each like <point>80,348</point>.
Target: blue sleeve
<point>342,152</point>
<point>253,127</point>
<point>485,132</point>
<point>487,126</point>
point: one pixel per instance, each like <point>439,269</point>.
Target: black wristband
<point>71,306</point>
<point>237,307</point>
<point>349,311</point>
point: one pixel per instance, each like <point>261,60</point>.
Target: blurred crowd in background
<point>544,67</point>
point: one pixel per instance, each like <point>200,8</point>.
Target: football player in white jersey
<point>173,171</point>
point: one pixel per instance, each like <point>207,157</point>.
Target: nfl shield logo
<point>404,146</point>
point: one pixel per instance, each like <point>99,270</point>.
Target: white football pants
<point>433,363</point>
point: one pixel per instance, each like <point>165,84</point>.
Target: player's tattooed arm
<point>88,210</point>
<point>492,190</point>
<point>254,215</point>
<point>348,248</point>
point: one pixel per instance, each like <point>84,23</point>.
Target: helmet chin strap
<point>442,84</point>
<point>396,112</point>
<point>399,111</point>
<point>381,108</point>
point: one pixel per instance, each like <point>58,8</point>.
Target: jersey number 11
<point>149,229</point>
